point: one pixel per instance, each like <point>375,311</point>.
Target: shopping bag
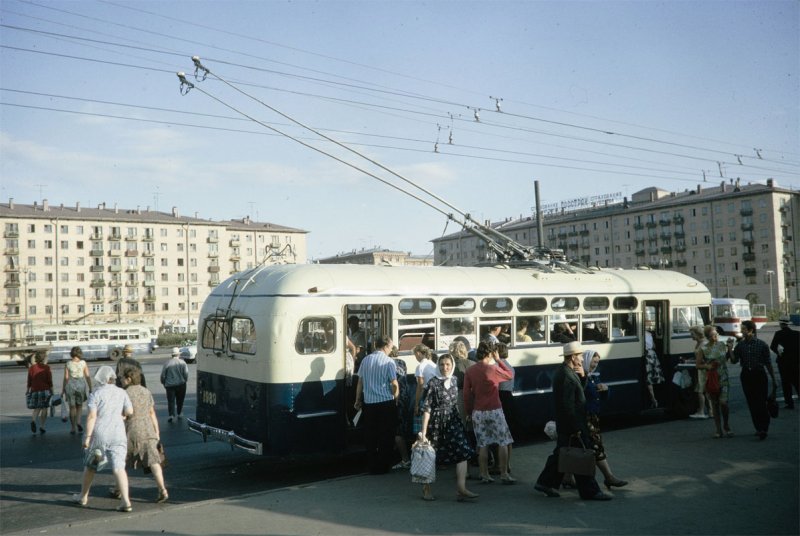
<point>55,400</point>
<point>423,463</point>
<point>576,460</point>
<point>65,412</point>
<point>713,386</point>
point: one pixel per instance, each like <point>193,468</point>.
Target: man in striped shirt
<point>376,396</point>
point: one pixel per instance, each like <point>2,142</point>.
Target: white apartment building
<point>77,264</point>
<point>378,255</point>
<point>739,240</point>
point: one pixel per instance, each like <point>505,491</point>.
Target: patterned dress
<point>445,429</point>
<point>593,414</point>
<point>142,438</point>
<point>76,386</point>
<point>718,353</point>
<point>109,401</point>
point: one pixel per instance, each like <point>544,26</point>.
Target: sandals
<point>162,496</point>
<point>462,496</point>
<point>486,479</point>
<point>124,508</point>
<point>508,479</point>
<point>76,498</point>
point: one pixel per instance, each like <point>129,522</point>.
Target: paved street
<point>681,482</point>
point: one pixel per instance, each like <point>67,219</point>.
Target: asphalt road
<point>39,473</point>
<point>682,481</point>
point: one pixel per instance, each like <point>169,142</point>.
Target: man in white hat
<point>571,425</point>
<point>174,375</point>
<point>786,344</point>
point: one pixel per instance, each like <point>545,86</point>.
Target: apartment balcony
<point>748,242</point>
<point>147,238</point>
<point>115,268</point>
<point>149,299</point>
<point>651,225</point>
<point>679,234</point>
<point>96,236</point>
<point>235,257</point>
<point>746,212</point>
<point>132,299</point>
<point>666,235</point>
<point>215,254</point>
<point>784,209</point>
<point>97,283</point>
<point>11,234</point>
<point>638,226</point>
<point>234,243</point>
<point>96,253</point>
<point>148,253</point>
<point>12,301</point>
<point>677,220</point>
<point>680,248</point>
<point>149,283</point>
<point>652,251</point>
<point>573,245</point>
<point>131,269</point>
<point>213,282</point>
<point>12,251</point>
<point>11,268</point>
<point>750,272</point>
<point>115,283</point>
<point>585,244</point>
<point>747,227</point>
<point>584,232</point>
<point>130,238</point>
<point>15,283</point>
<point>666,250</point>
<point>640,252</point>
<point>115,237</point>
<point>748,257</point>
<point>212,240</point>
<point>585,259</point>
<point>213,269</point>
<point>131,283</point>
<point>680,262</point>
<point>97,299</point>
<point>148,269</point>
<point>97,268</point>
<point>639,240</point>
<point>131,253</point>
<point>573,233</point>
<point>562,236</point>
<point>665,223</point>
<point>115,253</point>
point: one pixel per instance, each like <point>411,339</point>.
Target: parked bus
<point>759,314</point>
<point>729,313</point>
<point>271,361</point>
<point>98,341</point>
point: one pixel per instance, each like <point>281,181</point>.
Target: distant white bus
<point>729,313</point>
<point>759,311</point>
<point>97,341</point>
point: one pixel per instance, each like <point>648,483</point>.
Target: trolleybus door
<point>655,322</point>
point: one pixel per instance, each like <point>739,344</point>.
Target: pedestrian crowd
<point>458,406</point>
<point>121,429</point>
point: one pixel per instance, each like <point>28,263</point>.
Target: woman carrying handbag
<point>715,363</point>
<point>440,418</point>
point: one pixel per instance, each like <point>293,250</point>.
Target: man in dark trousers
<point>571,425</point>
<point>753,354</point>
<point>786,345</point>
<point>376,395</point>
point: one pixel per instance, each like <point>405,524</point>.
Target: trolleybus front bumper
<point>253,447</point>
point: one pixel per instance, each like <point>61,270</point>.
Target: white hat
<point>572,348</point>
<point>176,351</point>
<point>783,319</point>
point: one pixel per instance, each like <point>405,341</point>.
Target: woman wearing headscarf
<point>105,441</point>
<point>77,383</point>
<point>40,390</point>
<point>440,418</point>
<point>592,390</point>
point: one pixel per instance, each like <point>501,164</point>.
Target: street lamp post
<point>770,273</point>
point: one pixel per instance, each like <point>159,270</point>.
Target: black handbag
<point>576,460</point>
<point>772,407</point>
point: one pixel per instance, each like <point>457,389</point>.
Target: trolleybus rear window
<point>316,335</point>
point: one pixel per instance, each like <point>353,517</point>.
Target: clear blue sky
<point>597,97</point>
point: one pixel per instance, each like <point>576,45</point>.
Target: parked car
<point>189,353</point>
